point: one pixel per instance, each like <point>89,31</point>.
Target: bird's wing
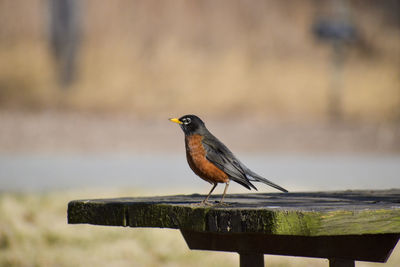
<point>223,158</point>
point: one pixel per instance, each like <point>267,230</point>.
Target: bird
<point>212,161</point>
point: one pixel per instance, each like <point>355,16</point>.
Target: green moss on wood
<point>167,216</point>
<point>337,222</point>
<point>296,223</point>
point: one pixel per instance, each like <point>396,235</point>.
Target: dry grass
<point>151,57</point>
<point>34,232</point>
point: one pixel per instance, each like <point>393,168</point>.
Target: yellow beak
<point>176,120</point>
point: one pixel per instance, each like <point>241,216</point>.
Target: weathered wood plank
<point>300,214</point>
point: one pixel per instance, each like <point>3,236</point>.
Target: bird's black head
<point>190,124</point>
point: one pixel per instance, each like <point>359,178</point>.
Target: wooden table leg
<point>341,263</point>
<point>251,260</point>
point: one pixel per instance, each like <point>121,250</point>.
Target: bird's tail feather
<point>258,178</point>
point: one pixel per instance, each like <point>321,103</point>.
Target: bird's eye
<point>186,121</point>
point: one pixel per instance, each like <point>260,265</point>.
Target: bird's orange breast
<point>196,157</point>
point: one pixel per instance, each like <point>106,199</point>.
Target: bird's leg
<point>205,201</point>
<point>223,195</point>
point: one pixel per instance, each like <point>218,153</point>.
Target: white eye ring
<point>186,121</point>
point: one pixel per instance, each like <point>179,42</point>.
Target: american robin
<point>212,161</point>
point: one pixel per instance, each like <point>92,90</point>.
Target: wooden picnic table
<point>344,227</point>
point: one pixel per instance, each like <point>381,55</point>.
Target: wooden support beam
<point>251,260</point>
<point>341,263</point>
<point>375,248</point>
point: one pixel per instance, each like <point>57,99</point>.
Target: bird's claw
<point>223,204</point>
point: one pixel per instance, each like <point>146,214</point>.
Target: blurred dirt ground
<point>78,132</point>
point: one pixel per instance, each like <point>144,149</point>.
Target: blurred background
<point>305,93</point>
